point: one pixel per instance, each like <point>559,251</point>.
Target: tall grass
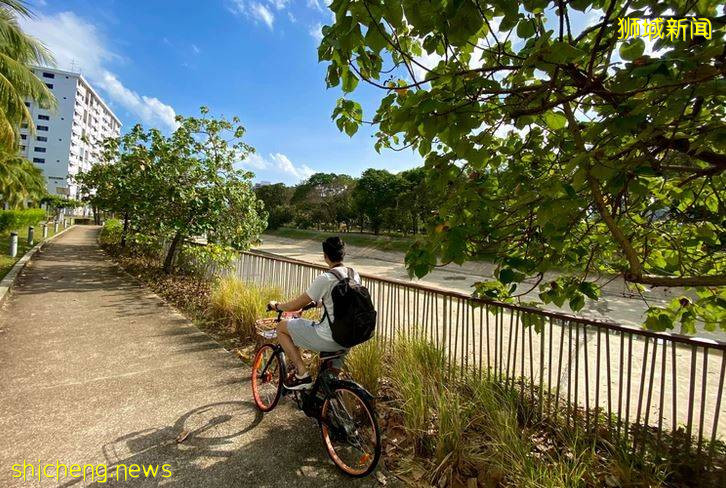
<point>237,304</point>
<point>365,365</point>
<point>417,373</point>
<point>483,428</point>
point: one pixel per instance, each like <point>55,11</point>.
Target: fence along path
<point>667,382</point>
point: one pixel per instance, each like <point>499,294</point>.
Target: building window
<point>43,128</point>
<point>39,160</point>
<point>48,75</point>
<point>24,125</point>
<point>22,148</point>
<point>43,117</point>
<point>27,104</point>
<point>49,85</point>
<point>23,136</point>
<point>39,149</point>
<point>41,139</point>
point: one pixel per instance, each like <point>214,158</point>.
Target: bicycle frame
<point>322,383</point>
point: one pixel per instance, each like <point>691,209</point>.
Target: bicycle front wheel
<point>350,431</point>
<point>268,372</point>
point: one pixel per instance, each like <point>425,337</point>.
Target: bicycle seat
<point>330,355</point>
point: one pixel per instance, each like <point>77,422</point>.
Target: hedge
<point>19,219</point>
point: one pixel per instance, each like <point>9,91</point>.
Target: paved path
<point>96,370</point>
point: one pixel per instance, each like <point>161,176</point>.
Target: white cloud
<point>291,17</point>
<point>285,165</point>
<point>257,10</point>
<point>279,164</point>
<point>85,50</point>
<point>196,49</point>
<point>316,32</point>
<point>255,161</point>
<point>260,12</point>
<point>315,4</point>
<point>279,4</point>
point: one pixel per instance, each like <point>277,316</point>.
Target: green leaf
<point>350,81</point>
<point>525,28</point>
<point>589,289</point>
<point>508,275</point>
<point>555,120</point>
<point>577,302</point>
<point>633,49</point>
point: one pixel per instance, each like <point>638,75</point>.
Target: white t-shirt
<point>320,289</point>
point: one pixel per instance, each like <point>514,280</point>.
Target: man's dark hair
<point>334,248</point>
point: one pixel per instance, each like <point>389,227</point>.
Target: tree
<point>183,185</point>
<point>197,190</point>
<point>19,179</point>
<point>276,199</point>
<point>415,202</point>
<point>325,199</point>
<point>552,147</point>
<point>121,184</point>
<point>374,193</point>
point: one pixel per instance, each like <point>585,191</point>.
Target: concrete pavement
<point>95,369</point>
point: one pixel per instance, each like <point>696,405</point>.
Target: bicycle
<point>343,408</point>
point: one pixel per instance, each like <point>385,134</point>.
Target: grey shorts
<point>305,335</point>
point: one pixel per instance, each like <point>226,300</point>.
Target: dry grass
<point>236,304</point>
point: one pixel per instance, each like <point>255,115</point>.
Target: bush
<point>365,365</point>
<point>237,304</point>
<point>18,219</point>
<point>199,260</point>
<point>111,233</point>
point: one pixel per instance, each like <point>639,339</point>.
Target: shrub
<point>18,219</point>
<point>365,365</point>
<point>110,234</point>
<point>237,304</point>
<point>144,245</point>
<point>200,260</point>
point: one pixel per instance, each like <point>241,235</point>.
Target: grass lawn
<point>6,262</point>
<point>382,242</point>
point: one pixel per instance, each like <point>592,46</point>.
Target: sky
<point>257,59</point>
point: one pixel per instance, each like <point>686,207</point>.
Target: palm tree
<point>18,53</point>
<point>20,180</point>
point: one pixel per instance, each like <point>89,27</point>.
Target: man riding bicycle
<point>303,333</point>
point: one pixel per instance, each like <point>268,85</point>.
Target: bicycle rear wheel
<point>350,431</point>
<point>268,372</point>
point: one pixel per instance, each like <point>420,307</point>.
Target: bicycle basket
<point>266,327</point>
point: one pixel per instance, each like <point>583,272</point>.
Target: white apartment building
<point>68,139</point>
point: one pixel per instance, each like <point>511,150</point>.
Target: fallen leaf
<point>381,478</point>
<point>182,436</point>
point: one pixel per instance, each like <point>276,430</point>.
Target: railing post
<point>13,244</point>
<point>45,230</point>
<point>31,235</point>
<point>55,227</point>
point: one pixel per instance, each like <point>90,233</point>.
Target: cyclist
<point>303,333</point>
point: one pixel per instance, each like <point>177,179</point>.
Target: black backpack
<point>355,317</point>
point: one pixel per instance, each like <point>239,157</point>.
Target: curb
<point>8,281</point>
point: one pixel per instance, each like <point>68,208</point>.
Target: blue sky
<point>256,59</point>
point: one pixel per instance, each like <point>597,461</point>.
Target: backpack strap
<point>341,276</point>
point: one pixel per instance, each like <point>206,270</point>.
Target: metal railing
<point>638,382</point>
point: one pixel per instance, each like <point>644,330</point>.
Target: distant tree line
<point>378,201</point>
